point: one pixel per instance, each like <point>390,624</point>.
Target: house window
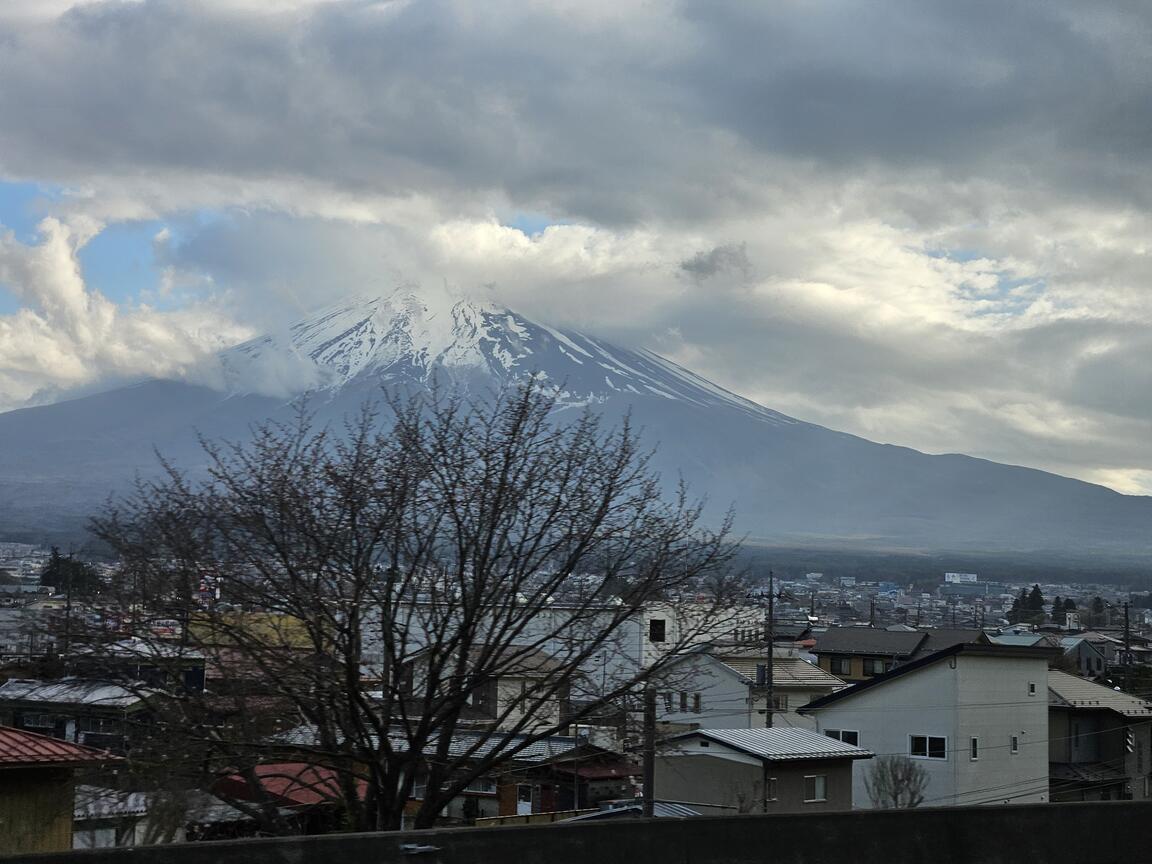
<point>38,721</point>
<point>99,725</point>
<point>683,702</point>
<point>696,702</point>
<point>1015,743</point>
<point>873,666</point>
<point>668,697</point>
<point>974,749</point>
<point>770,792</point>
<point>841,665</point>
<point>779,701</point>
<point>657,629</point>
<point>816,788</point>
<point>1031,688</point>
<point>848,736</point>
<point>928,747</point>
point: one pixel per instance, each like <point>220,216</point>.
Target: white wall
<point>958,698</point>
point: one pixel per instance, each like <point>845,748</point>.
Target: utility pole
<point>1127,652</point>
<point>649,749</point>
<point>872,612</point>
<point>917,613</point>
<point>771,634</point>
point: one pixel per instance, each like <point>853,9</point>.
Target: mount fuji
<point>788,481</point>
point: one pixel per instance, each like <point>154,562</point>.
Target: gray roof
<point>1025,639</point>
<point>462,742</point>
<point>1071,691</point>
<point>70,691</point>
<point>865,640</point>
<point>940,638</point>
<point>778,744</point>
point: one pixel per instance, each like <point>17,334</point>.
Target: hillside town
<point>806,694</point>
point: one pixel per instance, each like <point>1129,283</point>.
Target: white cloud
<point>923,222</point>
<point>67,336</point>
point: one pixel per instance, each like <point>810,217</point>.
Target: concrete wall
<point>1103,833</point>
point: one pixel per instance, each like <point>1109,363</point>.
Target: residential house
<point>169,666</point>
<point>725,687</point>
<point>582,777</point>
<point>514,696</point>
<point>37,790</point>
<point>859,653</point>
<point>106,818</point>
<point>24,635</point>
<point>974,716</point>
<point>100,714</point>
<point>505,791</point>
<point>1100,741</point>
<point>1082,656</point>
<point>778,770</point>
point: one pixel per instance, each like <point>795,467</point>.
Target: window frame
<point>1014,744</point>
<point>974,749</point>
<point>870,664</point>
<point>928,749</point>
<point>839,734</point>
<point>819,787</point>
<point>770,791</point>
<point>837,659</point>
<point>657,630</point>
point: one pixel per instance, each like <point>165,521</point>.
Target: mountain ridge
<point>786,478</point>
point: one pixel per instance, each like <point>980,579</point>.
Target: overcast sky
<point>923,222</point>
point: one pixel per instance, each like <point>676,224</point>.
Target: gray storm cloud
<point>923,222</point>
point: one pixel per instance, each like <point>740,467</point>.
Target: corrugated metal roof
<point>476,744</point>
<point>778,744</point>
<point>71,691</point>
<point>18,748</point>
<point>786,671</point>
<point>1070,691</point>
<point>96,802</point>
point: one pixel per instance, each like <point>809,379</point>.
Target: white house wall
<point>957,698</point>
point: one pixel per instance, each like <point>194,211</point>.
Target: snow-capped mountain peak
<point>412,337</point>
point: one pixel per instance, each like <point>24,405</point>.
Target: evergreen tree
<point>1098,615</point>
<point>66,575</point>
<point>1069,604</point>
<point>1035,600</point>
<point>1058,610</point>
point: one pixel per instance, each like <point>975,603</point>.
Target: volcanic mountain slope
<point>787,480</point>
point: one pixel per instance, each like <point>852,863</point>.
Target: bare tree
<point>374,587</point>
<point>895,782</point>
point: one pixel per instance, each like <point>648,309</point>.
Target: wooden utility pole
<point>1127,652</point>
<point>771,634</point>
<point>649,749</point>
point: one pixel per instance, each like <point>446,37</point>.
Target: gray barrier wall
<point>1094,833</point>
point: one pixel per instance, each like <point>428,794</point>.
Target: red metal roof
<point>19,748</point>
<point>293,784</point>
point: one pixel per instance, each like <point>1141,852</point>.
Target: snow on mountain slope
<point>410,337</point>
